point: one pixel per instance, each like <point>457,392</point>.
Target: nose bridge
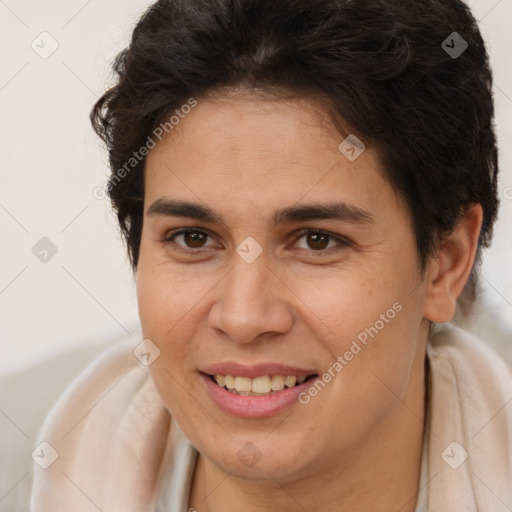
<point>250,302</point>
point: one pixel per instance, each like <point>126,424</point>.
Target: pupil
<point>194,239</point>
<point>317,239</point>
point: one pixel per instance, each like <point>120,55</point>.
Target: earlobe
<point>449,270</point>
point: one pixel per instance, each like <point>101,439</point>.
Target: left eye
<point>320,240</point>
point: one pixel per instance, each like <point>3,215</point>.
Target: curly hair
<point>383,66</point>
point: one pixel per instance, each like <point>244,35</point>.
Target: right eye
<point>192,240</point>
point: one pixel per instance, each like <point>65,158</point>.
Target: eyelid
<point>342,241</point>
<point>168,237</point>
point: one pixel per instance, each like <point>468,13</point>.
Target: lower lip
<point>254,406</point>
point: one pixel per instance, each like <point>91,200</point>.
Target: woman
<point>304,187</point>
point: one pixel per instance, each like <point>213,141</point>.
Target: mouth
<point>259,395</point>
<point>263,385</point>
<point>256,390</point>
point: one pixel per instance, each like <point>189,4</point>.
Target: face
<point>287,260</point>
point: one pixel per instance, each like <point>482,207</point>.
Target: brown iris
<point>317,240</point>
<point>194,239</point>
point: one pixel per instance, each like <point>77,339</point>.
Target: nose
<point>251,303</point>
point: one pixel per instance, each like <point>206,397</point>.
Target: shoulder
<point>108,430</point>
<point>467,371</point>
<point>26,397</point>
<point>470,419</point>
<point>465,352</point>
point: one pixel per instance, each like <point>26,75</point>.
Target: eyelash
<point>342,242</point>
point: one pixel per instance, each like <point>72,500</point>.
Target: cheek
<point>167,299</point>
<point>341,303</point>
<point>163,303</point>
<point>370,319</point>
<point>372,380</point>
<point>164,321</point>
<point>166,311</point>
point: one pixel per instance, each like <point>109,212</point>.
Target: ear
<point>449,270</point>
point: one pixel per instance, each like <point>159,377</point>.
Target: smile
<point>258,386</point>
<point>255,397</point>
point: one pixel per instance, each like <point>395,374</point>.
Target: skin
<point>301,302</point>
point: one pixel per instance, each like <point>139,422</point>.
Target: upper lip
<point>256,370</point>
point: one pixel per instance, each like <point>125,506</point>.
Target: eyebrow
<point>340,211</point>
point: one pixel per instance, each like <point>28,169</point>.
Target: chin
<point>260,456</point>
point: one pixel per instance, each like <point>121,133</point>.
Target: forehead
<point>262,153</point>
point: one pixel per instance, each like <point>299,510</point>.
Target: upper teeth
<point>259,385</point>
